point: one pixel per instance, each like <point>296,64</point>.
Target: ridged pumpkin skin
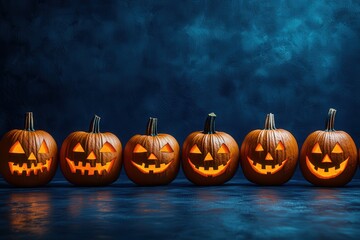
<point>40,166</point>
<point>332,150</point>
<point>269,156</point>
<point>153,158</point>
<point>96,150</point>
<point>210,157</point>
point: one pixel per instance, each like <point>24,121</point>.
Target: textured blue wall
<point>178,61</point>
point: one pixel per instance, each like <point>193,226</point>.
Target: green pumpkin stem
<point>95,125</point>
<point>151,129</point>
<point>209,127</point>
<point>29,122</point>
<point>270,122</point>
<point>330,120</point>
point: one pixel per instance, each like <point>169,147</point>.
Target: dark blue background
<point>178,61</point>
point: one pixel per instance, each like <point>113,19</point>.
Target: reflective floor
<point>238,210</point>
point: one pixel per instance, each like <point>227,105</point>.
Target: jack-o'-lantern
<point>29,156</point>
<point>329,158</point>
<point>91,158</point>
<point>269,156</point>
<point>153,158</point>
<point>210,157</point>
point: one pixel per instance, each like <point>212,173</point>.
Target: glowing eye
<point>195,149</point>
<point>167,148</point>
<point>337,149</point>
<point>223,149</point>
<point>139,149</point>
<point>316,148</point>
<point>259,148</point>
<point>280,146</point>
<point>107,147</point>
<point>78,148</point>
<point>16,148</point>
<point>43,148</point>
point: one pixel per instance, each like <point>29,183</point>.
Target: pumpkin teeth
<point>326,173</point>
<point>266,169</point>
<point>84,168</point>
<point>34,168</point>
<point>152,168</point>
<point>211,171</point>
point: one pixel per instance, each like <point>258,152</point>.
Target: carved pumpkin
<point>29,156</point>
<point>153,158</point>
<point>328,158</point>
<point>210,157</point>
<point>269,156</point>
<point>91,158</point>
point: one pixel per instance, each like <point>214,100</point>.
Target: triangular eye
<point>139,149</point>
<point>16,148</point>
<point>195,149</point>
<point>43,148</point>
<point>223,149</point>
<point>259,148</point>
<point>337,149</point>
<point>280,146</point>
<point>316,148</point>
<point>107,147</point>
<point>78,148</point>
<point>167,148</point>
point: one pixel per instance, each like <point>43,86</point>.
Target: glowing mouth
<point>99,168</point>
<point>326,173</point>
<point>211,172</point>
<point>35,168</point>
<point>266,169</point>
<point>152,168</point>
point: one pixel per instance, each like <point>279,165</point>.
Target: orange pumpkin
<point>153,158</point>
<point>91,158</point>
<point>29,156</point>
<point>329,158</point>
<point>269,156</point>
<point>210,157</point>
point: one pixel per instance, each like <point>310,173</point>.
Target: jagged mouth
<point>151,168</point>
<point>211,172</point>
<point>264,168</point>
<point>83,167</point>
<point>33,168</point>
<point>326,173</point>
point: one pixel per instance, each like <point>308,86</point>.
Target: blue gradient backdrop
<point>178,61</point>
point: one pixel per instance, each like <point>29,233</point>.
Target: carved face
<point>29,161</point>
<point>267,161</point>
<point>326,164</point>
<point>153,161</point>
<point>91,160</point>
<point>209,163</point>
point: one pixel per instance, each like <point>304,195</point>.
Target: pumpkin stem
<point>209,127</point>
<point>330,120</point>
<point>270,122</point>
<point>151,129</point>
<point>29,122</point>
<point>95,125</point>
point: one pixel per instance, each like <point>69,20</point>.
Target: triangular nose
<point>91,156</point>
<point>268,157</point>
<point>152,157</point>
<point>326,159</point>
<point>208,157</point>
<point>32,156</point>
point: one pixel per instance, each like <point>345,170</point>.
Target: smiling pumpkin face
<point>28,157</point>
<point>91,158</point>
<point>269,156</point>
<point>152,158</point>
<point>328,158</point>
<point>210,157</point>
